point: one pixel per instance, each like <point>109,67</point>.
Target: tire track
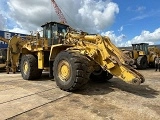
<point>28,95</point>
<point>52,101</point>
<point>15,107</point>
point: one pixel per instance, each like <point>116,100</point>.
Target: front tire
<point>29,67</point>
<point>70,70</point>
<point>142,62</point>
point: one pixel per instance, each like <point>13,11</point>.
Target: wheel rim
<point>25,67</point>
<point>64,71</point>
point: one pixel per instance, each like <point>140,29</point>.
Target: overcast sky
<point>125,22</point>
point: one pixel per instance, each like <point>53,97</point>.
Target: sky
<point>124,21</point>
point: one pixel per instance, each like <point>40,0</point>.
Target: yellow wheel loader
<point>153,51</point>
<point>143,55</point>
<point>72,57</point>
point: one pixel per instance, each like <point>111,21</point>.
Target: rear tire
<point>29,67</point>
<point>142,62</point>
<point>100,76</point>
<point>70,70</point>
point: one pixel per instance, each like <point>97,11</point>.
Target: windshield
<point>62,29</point>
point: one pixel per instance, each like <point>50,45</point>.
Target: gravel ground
<point>113,100</point>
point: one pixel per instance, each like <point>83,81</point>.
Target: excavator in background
<point>72,57</point>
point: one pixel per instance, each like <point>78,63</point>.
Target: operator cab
<point>141,47</point>
<point>55,32</point>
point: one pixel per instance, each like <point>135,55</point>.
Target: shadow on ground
<point>115,84</point>
<point>44,77</point>
<point>93,88</point>
<point>2,70</point>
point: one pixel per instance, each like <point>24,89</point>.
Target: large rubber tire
<point>70,70</point>
<point>31,72</point>
<point>142,62</point>
<point>100,76</point>
<point>152,64</point>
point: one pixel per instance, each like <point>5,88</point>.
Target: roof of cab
<point>54,23</point>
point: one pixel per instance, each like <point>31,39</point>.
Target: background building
<point>7,35</point>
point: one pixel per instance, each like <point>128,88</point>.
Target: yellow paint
<point>64,70</point>
<point>55,49</point>
<point>99,50</point>
<point>107,55</point>
<point>40,60</point>
<point>25,67</point>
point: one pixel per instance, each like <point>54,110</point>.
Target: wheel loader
<point>153,51</point>
<point>143,55</point>
<point>72,57</point>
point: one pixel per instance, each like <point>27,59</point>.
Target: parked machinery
<point>143,55</point>
<point>3,58</point>
<point>3,54</point>
<point>153,51</point>
<point>72,57</point>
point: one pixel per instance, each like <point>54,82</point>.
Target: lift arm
<point>4,40</point>
<point>107,55</point>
